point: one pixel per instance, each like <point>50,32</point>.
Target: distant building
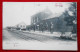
<point>21,26</point>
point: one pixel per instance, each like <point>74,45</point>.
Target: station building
<point>47,21</point>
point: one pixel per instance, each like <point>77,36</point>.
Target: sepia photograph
<point>39,26</point>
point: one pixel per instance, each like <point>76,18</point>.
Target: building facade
<point>21,26</point>
<point>45,21</point>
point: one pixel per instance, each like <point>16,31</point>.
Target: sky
<point>17,12</point>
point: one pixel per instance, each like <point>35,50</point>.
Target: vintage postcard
<point>39,26</point>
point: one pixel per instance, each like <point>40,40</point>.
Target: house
<point>21,26</point>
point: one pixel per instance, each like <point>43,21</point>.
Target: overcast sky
<point>17,12</point>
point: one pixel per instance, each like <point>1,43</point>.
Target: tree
<point>70,17</point>
<point>73,18</point>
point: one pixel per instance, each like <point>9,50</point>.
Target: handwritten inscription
<point>59,4</point>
